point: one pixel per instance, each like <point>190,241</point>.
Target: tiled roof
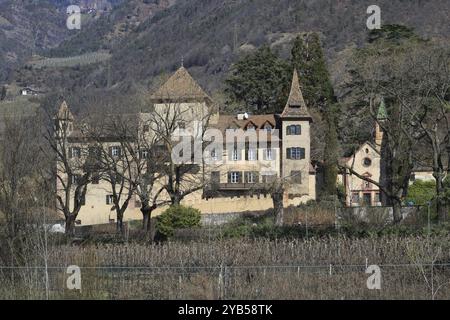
<point>295,106</point>
<point>180,86</point>
<point>230,121</point>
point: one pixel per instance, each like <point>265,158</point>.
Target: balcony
<point>238,186</point>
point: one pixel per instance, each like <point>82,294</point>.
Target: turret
<point>296,139</point>
<point>63,120</point>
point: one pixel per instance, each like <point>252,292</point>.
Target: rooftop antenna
<point>182,61</point>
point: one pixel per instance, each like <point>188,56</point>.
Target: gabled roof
<point>64,112</point>
<point>230,121</point>
<point>295,106</point>
<point>348,160</point>
<point>180,86</point>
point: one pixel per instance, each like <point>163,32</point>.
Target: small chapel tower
<point>381,116</point>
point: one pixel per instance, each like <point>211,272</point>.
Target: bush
<point>177,217</point>
<point>420,192</point>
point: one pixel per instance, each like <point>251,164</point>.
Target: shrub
<point>177,217</point>
<point>420,192</point>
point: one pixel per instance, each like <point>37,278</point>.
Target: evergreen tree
<point>258,80</point>
<point>309,60</point>
<point>331,153</point>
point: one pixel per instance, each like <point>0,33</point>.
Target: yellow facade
<point>237,196</point>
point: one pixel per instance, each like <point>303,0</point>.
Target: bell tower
<point>381,116</point>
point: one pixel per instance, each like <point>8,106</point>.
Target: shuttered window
<point>295,153</point>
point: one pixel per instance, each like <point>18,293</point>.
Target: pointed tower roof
<point>180,86</point>
<point>64,112</point>
<point>295,106</point>
<point>382,113</point>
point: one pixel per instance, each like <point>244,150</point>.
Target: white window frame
<point>268,154</point>
<point>115,151</point>
<point>75,154</point>
<point>252,154</point>
<point>213,155</point>
<point>251,177</point>
<point>296,153</point>
<point>234,177</point>
<point>144,154</point>
<point>235,156</point>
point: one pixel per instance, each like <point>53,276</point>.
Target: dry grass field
<point>327,268</point>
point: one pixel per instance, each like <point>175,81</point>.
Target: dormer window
<point>268,127</point>
<point>250,126</point>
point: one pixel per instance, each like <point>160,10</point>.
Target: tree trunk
<point>397,211</point>
<point>442,210</point>
<point>147,220</point>
<point>277,199</point>
<point>175,199</point>
<point>119,224</point>
<point>70,225</point>
<point>440,203</point>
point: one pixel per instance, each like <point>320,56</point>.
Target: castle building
<point>240,182</point>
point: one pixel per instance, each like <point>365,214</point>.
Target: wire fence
<point>407,281</point>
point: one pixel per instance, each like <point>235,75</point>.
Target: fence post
<point>220,283</point>
<point>306,222</point>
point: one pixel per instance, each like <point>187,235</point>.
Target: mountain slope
<point>209,35</point>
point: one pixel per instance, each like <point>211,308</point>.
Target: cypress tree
<point>330,154</point>
<point>309,60</point>
<point>258,81</point>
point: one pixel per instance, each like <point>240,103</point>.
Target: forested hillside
<point>212,34</point>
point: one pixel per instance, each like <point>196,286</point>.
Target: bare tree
<point>147,158</point>
<point>180,132</point>
<point>19,162</point>
<point>74,167</point>
<point>130,161</point>
<point>402,77</point>
<point>107,136</point>
<point>433,119</point>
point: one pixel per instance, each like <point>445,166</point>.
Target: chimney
<point>242,116</point>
